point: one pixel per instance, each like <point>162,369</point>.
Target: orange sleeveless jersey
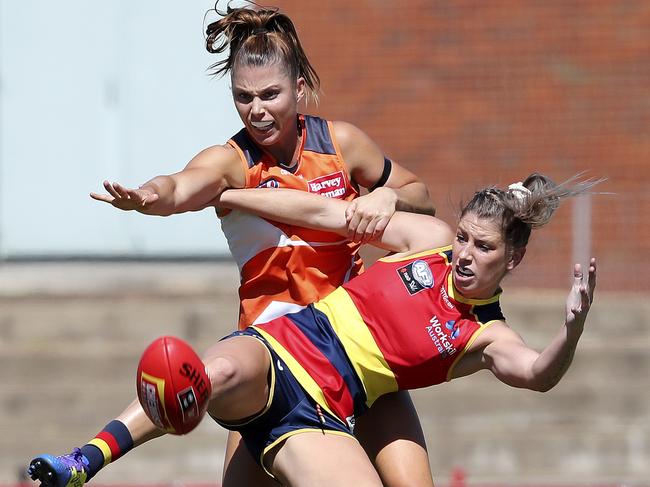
<point>284,267</point>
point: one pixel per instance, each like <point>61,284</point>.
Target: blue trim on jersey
<point>318,136</point>
<point>252,152</point>
<point>315,325</point>
<point>488,312</point>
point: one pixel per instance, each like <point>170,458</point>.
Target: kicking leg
<point>130,429</point>
<point>238,368</point>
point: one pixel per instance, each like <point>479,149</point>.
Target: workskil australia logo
<point>439,336</point>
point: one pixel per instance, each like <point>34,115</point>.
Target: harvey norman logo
<point>330,185</point>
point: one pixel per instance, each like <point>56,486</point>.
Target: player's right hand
<point>126,198</point>
<point>581,295</point>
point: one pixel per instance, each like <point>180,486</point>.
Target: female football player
<point>284,267</point>
<point>429,313</point>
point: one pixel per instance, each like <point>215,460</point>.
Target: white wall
<point>93,90</point>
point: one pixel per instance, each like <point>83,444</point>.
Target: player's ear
<point>515,258</point>
<point>300,89</point>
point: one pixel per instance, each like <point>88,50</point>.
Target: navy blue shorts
<point>290,410</point>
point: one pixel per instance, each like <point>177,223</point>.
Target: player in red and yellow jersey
<point>285,267</point>
<point>427,314</point>
<point>295,385</point>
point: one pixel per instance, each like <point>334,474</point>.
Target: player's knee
<point>224,373</point>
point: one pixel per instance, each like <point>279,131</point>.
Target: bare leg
<point>238,369</point>
<point>138,424</point>
<point>322,460</point>
<point>240,470</point>
<point>128,430</point>
<point>392,436</point>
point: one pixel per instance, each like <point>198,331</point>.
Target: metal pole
<point>2,249</point>
<point>582,231</point>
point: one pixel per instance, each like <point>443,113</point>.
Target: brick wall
<point>468,94</point>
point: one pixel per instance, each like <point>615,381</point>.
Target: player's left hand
<point>368,215</point>
<point>581,295</point>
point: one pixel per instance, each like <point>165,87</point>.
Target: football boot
<point>69,470</point>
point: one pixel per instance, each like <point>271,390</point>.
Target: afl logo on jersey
<point>422,273</point>
<point>416,276</point>
<point>269,183</point>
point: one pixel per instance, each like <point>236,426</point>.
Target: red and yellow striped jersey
<point>399,325</point>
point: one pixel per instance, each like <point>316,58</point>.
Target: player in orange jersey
<point>284,267</point>
<point>427,314</point>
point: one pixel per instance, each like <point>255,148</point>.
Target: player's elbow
<point>542,384</point>
<point>542,388</point>
<point>426,206</point>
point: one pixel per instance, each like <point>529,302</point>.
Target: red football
<point>173,386</point>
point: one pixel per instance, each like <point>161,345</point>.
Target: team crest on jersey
<point>416,276</point>
<point>269,183</point>
<point>330,185</point>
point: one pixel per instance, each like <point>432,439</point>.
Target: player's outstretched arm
<point>192,189</point>
<point>406,232</point>
<point>289,206</point>
<point>515,364</point>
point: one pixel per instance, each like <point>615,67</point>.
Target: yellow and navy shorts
<point>289,411</point>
